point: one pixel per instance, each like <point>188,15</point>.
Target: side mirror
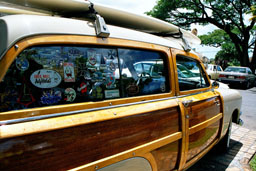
<point>215,85</point>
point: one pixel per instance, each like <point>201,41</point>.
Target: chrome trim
<point>192,94</point>
<point>20,120</point>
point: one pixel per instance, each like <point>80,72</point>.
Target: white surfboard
<point>111,15</point>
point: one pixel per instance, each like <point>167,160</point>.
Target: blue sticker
<point>22,64</point>
<point>51,97</point>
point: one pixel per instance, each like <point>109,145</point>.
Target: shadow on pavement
<point>216,160</point>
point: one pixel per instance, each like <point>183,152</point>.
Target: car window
<point>219,68</point>
<point>249,71</point>
<point>143,72</point>
<point>235,69</point>
<point>190,74</point>
<point>53,75</point>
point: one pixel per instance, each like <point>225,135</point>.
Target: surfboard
<point>113,16</point>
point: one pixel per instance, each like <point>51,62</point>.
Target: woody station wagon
<point>71,100</point>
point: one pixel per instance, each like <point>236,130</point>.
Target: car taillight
<point>221,75</point>
<point>241,77</point>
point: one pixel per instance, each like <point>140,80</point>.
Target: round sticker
<point>70,94</point>
<point>133,89</point>
<point>22,64</point>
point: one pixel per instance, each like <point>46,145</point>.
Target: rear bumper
<point>229,81</point>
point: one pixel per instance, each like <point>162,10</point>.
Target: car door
<point>202,107</point>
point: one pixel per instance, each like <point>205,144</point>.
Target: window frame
<point>192,56</point>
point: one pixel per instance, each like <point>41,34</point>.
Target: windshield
<point>233,69</point>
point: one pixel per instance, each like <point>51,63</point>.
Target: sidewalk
<point>242,149</point>
<point>245,144</point>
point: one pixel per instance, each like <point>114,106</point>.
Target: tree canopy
<point>227,15</point>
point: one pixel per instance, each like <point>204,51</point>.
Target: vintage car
<point>63,107</point>
<point>213,71</point>
<point>241,76</point>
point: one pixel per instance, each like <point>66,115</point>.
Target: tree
<point>227,15</point>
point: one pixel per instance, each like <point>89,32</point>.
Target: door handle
<point>217,102</point>
<point>187,102</point>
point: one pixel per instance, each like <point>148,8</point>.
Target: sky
<point>142,6</point>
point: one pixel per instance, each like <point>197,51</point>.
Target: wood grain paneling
<point>203,111</point>
<point>71,147</point>
<point>167,156</point>
<point>202,139</point>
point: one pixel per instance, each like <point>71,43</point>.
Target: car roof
<point>16,27</point>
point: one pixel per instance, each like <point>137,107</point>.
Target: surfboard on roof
<point>80,8</point>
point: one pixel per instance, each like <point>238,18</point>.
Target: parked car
<point>64,107</point>
<point>213,71</point>
<point>241,76</point>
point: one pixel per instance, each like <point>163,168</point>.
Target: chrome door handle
<point>187,102</point>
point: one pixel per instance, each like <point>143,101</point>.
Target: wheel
<point>224,143</point>
<point>247,85</point>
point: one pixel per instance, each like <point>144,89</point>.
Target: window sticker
<point>112,54</point>
<point>70,94</point>
<point>50,97</point>
<point>82,69</point>
<point>112,94</point>
<point>110,81</point>
<point>22,64</point>
<point>45,78</point>
<point>133,89</point>
<point>69,73</point>
<point>96,91</point>
<point>25,97</point>
<point>91,54</point>
<point>83,88</point>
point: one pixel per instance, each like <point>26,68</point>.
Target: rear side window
<point>190,74</point>
<point>54,75</point>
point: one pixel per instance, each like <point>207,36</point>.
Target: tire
<point>224,143</point>
<point>247,85</point>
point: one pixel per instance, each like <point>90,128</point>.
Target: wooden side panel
<point>202,139</point>
<point>204,110</point>
<point>71,147</point>
<point>167,156</point>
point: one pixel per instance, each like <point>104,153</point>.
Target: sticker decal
<point>112,94</point>
<point>83,88</point>
<point>69,73</point>
<point>110,80</point>
<point>91,54</point>
<point>50,97</point>
<point>45,78</point>
<point>22,64</point>
<point>133,89</point>
<point>82,69</point>
<point>70,94</point>
<point>25,97</point>
<point>112,54</point>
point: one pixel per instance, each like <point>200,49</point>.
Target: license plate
<point>232,77</point>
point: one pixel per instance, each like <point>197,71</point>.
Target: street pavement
<point>242,144</point>
<point>249,108</point>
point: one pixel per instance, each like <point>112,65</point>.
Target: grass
<point>253,163</point>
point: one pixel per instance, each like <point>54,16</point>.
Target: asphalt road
<point>249,108</point>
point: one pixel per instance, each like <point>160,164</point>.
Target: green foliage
<point>227,15</point>
<point>253,163</point>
